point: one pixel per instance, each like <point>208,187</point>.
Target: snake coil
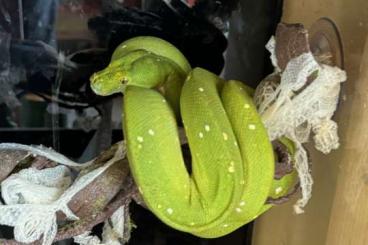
<point>233,163</point>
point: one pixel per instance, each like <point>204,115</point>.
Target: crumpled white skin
<point>33,218</point>
<point>294,108</point>
<point>33,186</point>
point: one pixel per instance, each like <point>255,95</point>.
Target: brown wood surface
<point>338,211</point>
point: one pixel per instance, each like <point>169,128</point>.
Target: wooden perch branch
<point>93,204</point>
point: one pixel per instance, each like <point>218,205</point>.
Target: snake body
<point>232,158</point>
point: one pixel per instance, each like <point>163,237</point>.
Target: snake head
<point>109,81</point>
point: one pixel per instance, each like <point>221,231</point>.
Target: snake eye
<point>124,81</point>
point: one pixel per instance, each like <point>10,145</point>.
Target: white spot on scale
<point>159,206</point>
<point>169,210</point>
<point>124,46</point>
<point>200,89</point>
<point>246,106</point>
<point>200,135</point>
<point>235,143</point>
<point>252,126</point>
<point>151,132</point>
<point>242,182</point>
<point>225,225</point>
<point>163,100</point>
<point>192,223</point>
<point>278,190</point>
<point>140,146</point>
<point>231,168</point>
<point>140,190</point>
<point>207,127</point>
<point>242,203</point>
<point>140,139</point>
<point>239,210</point>
<point>225,136</point>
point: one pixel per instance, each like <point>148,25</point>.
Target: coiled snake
<point>233,163</point>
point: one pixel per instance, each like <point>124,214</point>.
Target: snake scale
<point>233,163</point>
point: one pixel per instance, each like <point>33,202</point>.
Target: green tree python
<point>233,162</point>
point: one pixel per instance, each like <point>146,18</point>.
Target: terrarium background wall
<point>337,213</point>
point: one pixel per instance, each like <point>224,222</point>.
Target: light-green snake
<point>232,158</point>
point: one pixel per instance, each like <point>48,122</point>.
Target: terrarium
<point>182,122</point>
